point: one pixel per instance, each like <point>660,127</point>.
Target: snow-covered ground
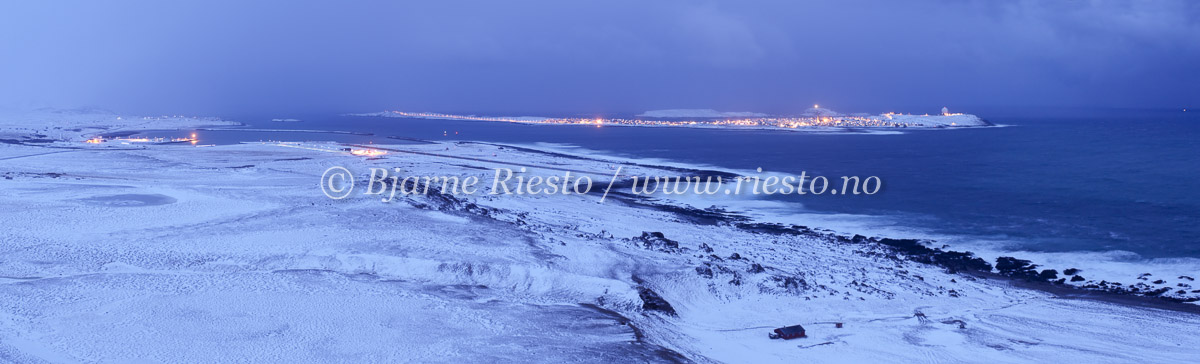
<point>935,120</point>
<point>172,253</point>
<point>77,125</point>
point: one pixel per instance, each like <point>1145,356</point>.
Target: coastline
<point>1115,284</point>
<point>533,255</point>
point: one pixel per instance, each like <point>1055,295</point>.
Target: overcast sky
<point>222,57</point>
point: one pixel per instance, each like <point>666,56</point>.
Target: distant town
<point>815,117</point>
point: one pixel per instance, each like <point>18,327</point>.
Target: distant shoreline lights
<point>886,120</point>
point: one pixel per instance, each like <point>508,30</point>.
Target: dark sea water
<point>1124,182</point>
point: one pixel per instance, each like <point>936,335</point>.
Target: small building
<point>788,332</point>
<point>945,111</point>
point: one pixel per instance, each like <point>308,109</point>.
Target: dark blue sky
<point>221,57</point>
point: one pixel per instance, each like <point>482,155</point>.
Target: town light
<point>367,152</point>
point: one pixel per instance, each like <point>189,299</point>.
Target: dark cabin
<point>788,332</point>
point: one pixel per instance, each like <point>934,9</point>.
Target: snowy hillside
<point>935,120</point>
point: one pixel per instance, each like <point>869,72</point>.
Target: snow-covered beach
<point>171,253</point>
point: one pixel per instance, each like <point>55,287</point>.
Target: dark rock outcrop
<point>1016,268</point>
<point>953,261</point>
<point>651,301</point>
<point>1048,275</point>
<point>654,240</point>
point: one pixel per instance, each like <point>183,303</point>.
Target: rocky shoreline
<point>1072,282</point>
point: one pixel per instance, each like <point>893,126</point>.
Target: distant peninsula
<point>813,119</point>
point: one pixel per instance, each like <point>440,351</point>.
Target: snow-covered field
<point>172,253</point>
<point>77,125</point>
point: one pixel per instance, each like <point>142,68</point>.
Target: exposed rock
<point>951,260</point>
<point>791,284</point>
<point>1016,268</point>
<point>1157,292</point>
<point>961,261</point>
<point>654,240</point>
<point>1048,275</point>
<point>651,301</point>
